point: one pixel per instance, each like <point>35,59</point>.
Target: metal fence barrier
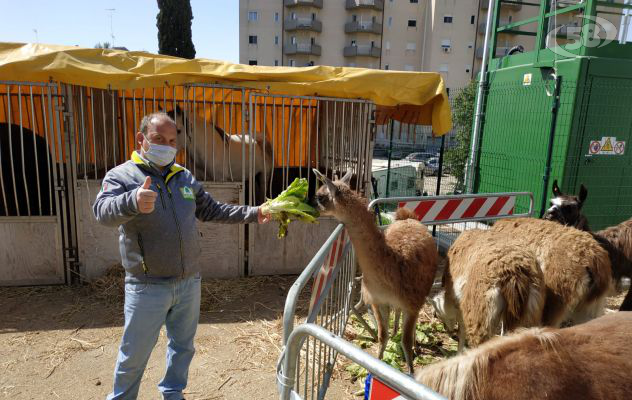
<point>310,350</point>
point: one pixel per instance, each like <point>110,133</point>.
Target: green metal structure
<point>548,109</point>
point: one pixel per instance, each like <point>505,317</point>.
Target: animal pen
<point>68,115</point>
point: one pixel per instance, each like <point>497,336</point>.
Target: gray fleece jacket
<point>162,245</point>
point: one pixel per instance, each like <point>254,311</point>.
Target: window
<point>372,43</point>
<point>252,39</point>
<point>276,63</point>
<point>313,16</point>
<point>414,1</point>
<point>386,67</point>
<point>253,15</point>
<point>252,62</point>
<point>447,19</point>
<point>292,63</point>
<point>276,17</point>
<point>276,40</point>
<point>293,39</point>
<point>472,19</point>
<point>409,68</point>
<point>312,41</point>
<point>353,43</point>
<point>411,46</point>
<point>412,23</point>
<point>293,15</point>
<point>354,18</point>
<point>387,45</point>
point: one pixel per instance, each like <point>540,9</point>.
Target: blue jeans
<point>147,307</point>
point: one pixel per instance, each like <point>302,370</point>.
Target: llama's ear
<point>583,193</point>
<point>319,175</point>
<point>330,185</point>
<point>347,178</point>
<point>556,189</point>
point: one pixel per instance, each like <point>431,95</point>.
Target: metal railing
<point>362,50</point>
<point>302,48</point>
<point>309,351</point>
<point>374,4</point>
<point>363,26</point>
<point>303,23</point>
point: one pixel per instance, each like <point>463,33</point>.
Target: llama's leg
<point>627,302</point>
<point>381,313</point>
<point>408,338</point>
<point>461,347</point>
<point>398,314</point>
<point>359,308</point>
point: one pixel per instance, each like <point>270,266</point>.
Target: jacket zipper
<point>142,254</point>
<point>175,217</point>
<point>162,199</point>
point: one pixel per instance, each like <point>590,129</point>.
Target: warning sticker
<point>608,145</point>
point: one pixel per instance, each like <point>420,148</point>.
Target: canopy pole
<point>472,164</point>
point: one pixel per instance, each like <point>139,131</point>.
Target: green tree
<point>174,28</point>
<point>463,108</point>
<point>104,45</point>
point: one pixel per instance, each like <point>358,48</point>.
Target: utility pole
<point>111,13</point>
<point>36,36</point>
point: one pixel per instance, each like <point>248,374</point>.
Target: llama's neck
<point>367,239</point>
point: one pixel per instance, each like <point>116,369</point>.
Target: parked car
<point>432,166</point>
<point>420,156</point>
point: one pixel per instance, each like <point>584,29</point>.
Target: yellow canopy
<point>411,97</point>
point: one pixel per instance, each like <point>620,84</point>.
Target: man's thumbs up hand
<point>145,197</point>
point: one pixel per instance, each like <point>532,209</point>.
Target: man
<point>154,203</point>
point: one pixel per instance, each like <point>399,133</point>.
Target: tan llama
<point>576,269</point>
<point>489,284</point>
<point>586,362</point>
<point>398,265</point>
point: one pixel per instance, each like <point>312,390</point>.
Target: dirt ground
<point>61,342</point>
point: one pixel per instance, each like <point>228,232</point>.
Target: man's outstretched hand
<point>263,218</point>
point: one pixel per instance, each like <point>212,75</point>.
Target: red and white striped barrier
<point>381,391</point>
<point>434,210</point>
<point>326,270</point>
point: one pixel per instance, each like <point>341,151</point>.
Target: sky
<point>87,22</point>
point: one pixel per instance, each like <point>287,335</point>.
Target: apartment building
<point>411,35</point>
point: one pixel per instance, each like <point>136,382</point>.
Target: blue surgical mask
<point>159,154</point>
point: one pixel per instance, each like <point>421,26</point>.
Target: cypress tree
<point>174,28</point>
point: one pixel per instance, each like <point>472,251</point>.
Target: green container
<point>595,107</point>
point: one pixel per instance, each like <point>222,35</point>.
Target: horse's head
<point>566,208</point>
<point>184,130</point>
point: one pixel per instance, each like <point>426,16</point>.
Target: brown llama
<point>617,240</point>
<point>576,269</point>
<point>585,362</point>
<point>398,265</point>
<point>490,286</point>
<point>566,208</point>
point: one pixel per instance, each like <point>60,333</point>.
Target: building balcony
<point>370,4</point>
<point>505,6</point>
<point>359,26</point>
<point>302,48</point>
<point>500,51</point>
<point>366,51</point>
<point>305,24</point>
<point>308,3</point>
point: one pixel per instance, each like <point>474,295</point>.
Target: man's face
<point>160,131</point>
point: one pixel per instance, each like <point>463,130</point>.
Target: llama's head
<point>565,208</point>
<point>335,197</point>
<point>446,311</point>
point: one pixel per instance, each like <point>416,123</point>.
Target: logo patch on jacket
<point>187,193</point>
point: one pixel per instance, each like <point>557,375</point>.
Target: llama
<point>566,209</point>
<point>398,265</point>
<point>489,284</point>
<point>584,362</point>
<point>576,269</point>
<point>217,155</point>
<point>617,240</point>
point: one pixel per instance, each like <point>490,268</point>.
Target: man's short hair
<point>149,120</point>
